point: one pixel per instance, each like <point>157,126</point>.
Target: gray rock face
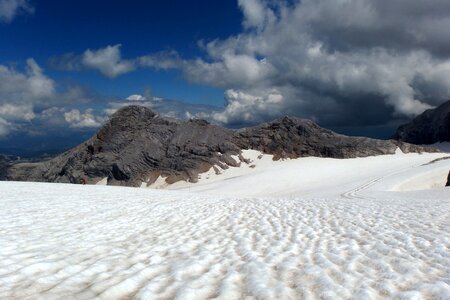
<point>137,145</point>
<point>432,126</point>
<point>5,162</point>
<point>293,137</point>
<point>448,179</point>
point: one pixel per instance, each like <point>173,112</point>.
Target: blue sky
<point>359,67</point>
<point>58,27</point>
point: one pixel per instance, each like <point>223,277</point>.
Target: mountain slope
<point>432,126</point>
<point>137,145</point>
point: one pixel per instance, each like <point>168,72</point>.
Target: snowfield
<point>311,228</point>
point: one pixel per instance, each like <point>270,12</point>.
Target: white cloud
<point>5,127</point>
<point>22,112</point>
<point>9,9</point>
<point>17,88</point>
<point>244,107</point>
<point>231,70</point>
<point>107,61</point>
<point>85,119</point>
<point>30,101</point>
<point>256,13</point>
<point>164,60</point>
<point>136,98</point>
<point>20,92</point>
<point>165,107</point>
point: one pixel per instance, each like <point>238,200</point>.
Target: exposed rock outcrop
<point>137,145</point>
<point>5,162</point>
<point>432,126</point>
<point>448,179</point>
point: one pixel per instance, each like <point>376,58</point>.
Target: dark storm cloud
<point>402,25</point>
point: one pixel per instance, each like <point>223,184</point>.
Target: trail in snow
<point>321,177</point>
<point>355,192</point>
<point>97,242</point>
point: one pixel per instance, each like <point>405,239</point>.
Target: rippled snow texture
<point>67,241</point>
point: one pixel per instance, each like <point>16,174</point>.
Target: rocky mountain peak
<point>137,146</point>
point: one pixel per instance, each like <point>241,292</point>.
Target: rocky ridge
<point>432,126</point>
<point>137,145</point>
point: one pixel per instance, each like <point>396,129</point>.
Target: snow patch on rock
<point>103,181</point>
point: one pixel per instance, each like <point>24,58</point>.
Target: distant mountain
<point>30,154</point>
<point>39,147</point>
<point>138,145</point>
<point>432,126</point>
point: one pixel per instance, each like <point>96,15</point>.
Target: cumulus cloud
<point>240,107</point>
<point>30,100</point>
<point>5,127</point>
<point>136,98</point>
<point>329,60</point>
<point>256,13</point>
<point>85,119</point>
<point>20,112</point>
<point>9,9</point>
<point>108,61</point>
<point>19,92</point>
<point>19,87</point>
<point>165,107</point>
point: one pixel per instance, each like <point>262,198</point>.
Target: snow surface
<point>310,228</point>
<point>325,177</point>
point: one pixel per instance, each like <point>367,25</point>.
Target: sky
<point>356,66</point>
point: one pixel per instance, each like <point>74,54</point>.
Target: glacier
<point>308,228</point>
